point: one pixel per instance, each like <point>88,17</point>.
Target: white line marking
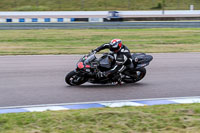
<point>40,109</point>
<point>121,104</point>
<point>113,101</point>
<point>193,100</point>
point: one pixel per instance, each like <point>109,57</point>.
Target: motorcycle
<point>89,65</point>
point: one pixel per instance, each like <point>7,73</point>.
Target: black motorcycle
<point>89,65</point>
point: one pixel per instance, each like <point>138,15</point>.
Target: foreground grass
<point>88,5</point>
<point>15,42</point>
<point>159,118</point>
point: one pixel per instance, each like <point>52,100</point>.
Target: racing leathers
<point>122,59</point>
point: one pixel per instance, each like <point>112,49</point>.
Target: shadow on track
<point>103,86</point>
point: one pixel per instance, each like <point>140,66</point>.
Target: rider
<point>122,57</point>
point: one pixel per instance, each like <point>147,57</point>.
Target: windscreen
<point>90,58</point>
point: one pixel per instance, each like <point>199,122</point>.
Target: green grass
<point>28,42</point>
<point>94,5</point>
<point>155,119</point>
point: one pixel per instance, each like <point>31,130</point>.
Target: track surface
<point>31,80</point>
<point>105,25</point>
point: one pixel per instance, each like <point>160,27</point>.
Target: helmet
<point>115,45</point>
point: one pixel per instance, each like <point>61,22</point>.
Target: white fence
<point>160,12</point>
<point>68,16</point>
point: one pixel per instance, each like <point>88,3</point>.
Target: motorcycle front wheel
<point>73,79</point>
<point>136,76</point>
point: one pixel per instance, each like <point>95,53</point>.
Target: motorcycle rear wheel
<point>73,79</point>
<point>138,75</point>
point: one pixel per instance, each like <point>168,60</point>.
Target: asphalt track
<point>33,80</point>
<point>104,25</point>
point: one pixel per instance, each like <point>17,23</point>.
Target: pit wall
<point>97,16</point>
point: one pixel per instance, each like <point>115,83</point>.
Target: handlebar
<point>93,51</point>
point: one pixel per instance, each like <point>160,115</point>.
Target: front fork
<point>84,74</point>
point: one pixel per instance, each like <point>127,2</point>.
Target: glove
<point>94,51</point>
<point>101,74</point>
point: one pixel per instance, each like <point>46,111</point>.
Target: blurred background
<point>97,5</point>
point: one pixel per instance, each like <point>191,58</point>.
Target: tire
<point>71,79</point>
<point>137,76</point>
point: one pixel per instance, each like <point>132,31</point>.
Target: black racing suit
<point>122,59</point>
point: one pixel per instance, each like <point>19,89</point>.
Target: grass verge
<point>160,118</point>
<point>79,41</point>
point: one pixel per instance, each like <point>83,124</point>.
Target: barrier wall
<point>91,16</point>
